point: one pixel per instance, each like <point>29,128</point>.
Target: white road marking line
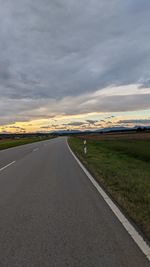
<point>35,149</point>
<point>145,248</point>
<point>7,165</point>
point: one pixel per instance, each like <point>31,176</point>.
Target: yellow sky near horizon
<point>80,122</point>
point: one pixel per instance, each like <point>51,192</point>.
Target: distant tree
<point>139,129</point>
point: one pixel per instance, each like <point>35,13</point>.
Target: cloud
<point>133,121</point>
<point>16,127</point>
<point>101,101</point>
<point>8,129</point>
<point>88,124</point>
<point>45,127</point>
<point>75,123</point>
<point>53,52</point>
<point>92,121</point>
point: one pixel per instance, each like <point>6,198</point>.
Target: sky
<point>74,64</point>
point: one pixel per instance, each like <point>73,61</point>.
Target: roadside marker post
<point>85,150</point>
<point>85,147</point>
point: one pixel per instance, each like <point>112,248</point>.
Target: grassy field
<point>8,143</point>
<point>122,166</point>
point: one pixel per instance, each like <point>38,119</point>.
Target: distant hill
<point>110,129</point>
<point>78,132</point>
<point>103,130</point>
<point>66,132</point>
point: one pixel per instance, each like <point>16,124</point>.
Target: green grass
<point>123,168</point>
<point>4,144</point>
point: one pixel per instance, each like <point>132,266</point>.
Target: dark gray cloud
<point>46,127</point>
<point>74,123</point>
<point>54,49</point>
<point>92,122</point>
<point>138,121</point>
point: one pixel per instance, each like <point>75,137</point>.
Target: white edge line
<point>124,221</point>
<point>7,165</point>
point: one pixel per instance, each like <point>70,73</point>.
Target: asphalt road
<point>51,215</point>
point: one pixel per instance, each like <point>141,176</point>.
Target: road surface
<point>51,215</point>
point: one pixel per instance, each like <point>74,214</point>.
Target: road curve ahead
<point>51,215</point>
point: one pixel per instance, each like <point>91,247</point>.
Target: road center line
<point>35,149</point>
<point>7,165</point>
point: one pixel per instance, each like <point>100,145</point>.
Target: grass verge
<point>123,168</point>
<point>8,143</point>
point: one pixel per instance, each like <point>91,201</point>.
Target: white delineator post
<point>85,148</point>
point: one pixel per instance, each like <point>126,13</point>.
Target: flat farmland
<point>119,136</point>
<point>121,164</point>
<point>8,143</point>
